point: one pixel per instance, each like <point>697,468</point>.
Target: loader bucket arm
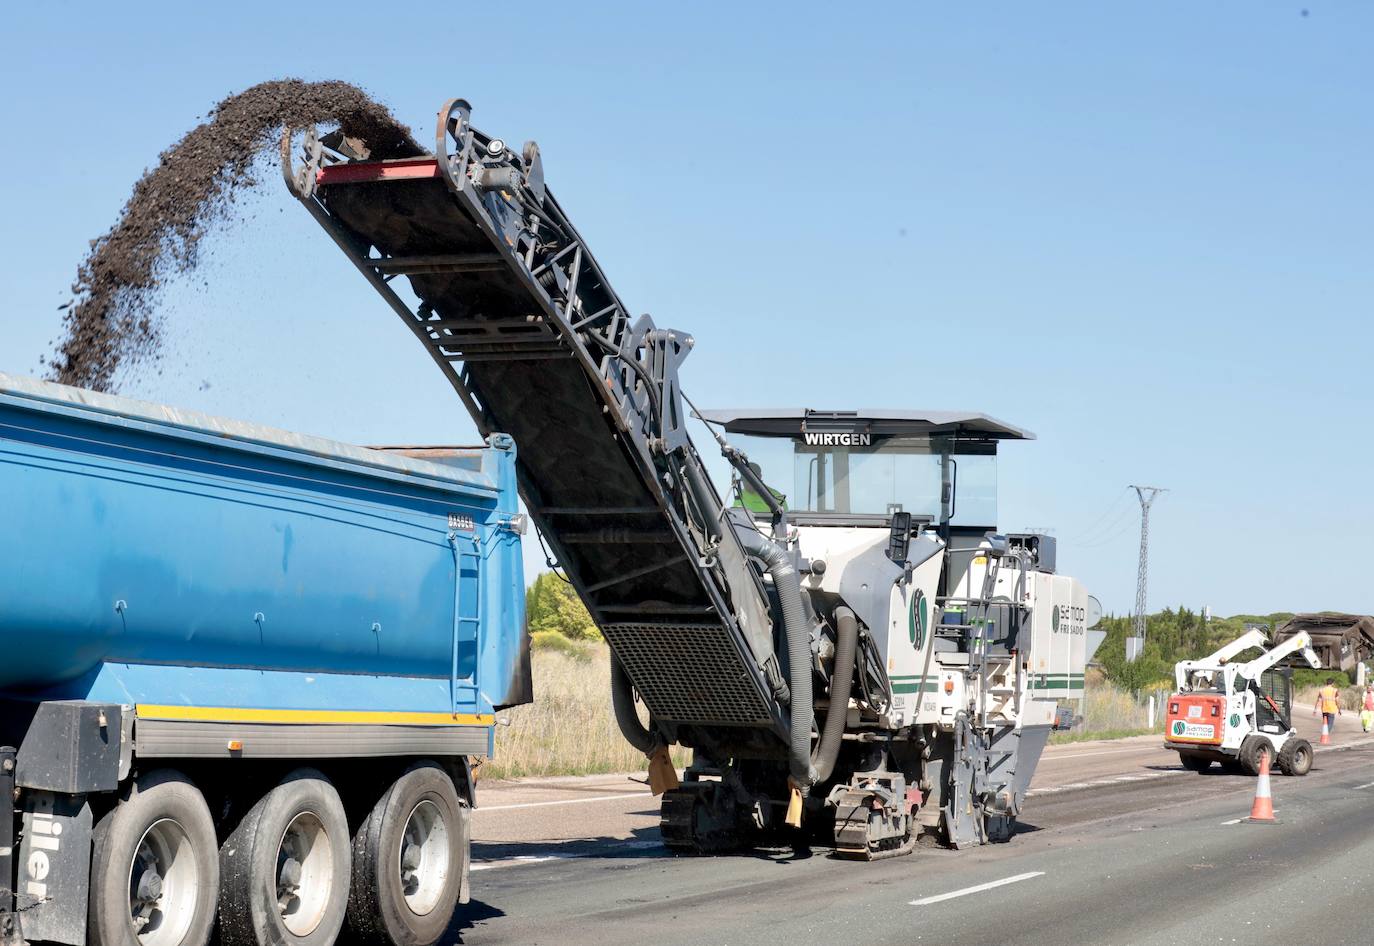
<point>1300,642</point>
<point>511,305</point>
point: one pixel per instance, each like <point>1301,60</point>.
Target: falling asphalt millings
<point>112,320</point>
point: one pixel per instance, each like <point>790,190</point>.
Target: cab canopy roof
<point>794,421</point>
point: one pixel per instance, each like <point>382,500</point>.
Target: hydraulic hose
<point>623,700</point>
<point>787,582</point>
<point>841,680</point>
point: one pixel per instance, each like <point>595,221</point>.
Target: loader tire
<point>1194,763</point>
<point>409,859</point>
<point>1250,751</point>
<point>1295,758</point>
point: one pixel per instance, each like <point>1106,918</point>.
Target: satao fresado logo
<point>1179,727</point>
<point>919,619</point>
<point>1054,620</point>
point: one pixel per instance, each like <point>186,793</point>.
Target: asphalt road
<point>1118,845</point>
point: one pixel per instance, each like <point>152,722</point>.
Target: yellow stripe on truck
<point>227,714</point>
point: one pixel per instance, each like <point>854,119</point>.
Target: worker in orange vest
<point>1329,702</point>
<point>1367,708</point>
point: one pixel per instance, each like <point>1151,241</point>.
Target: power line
<point>1143,573</point>
<point>1082,534</point>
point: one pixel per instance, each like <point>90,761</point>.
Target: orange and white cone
<point>1262,811</point>
<point>1326,731</point>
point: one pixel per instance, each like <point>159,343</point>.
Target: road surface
<point>1118,845</point>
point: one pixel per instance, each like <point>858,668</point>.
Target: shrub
<point>552,605</point>
<point>554,641</point>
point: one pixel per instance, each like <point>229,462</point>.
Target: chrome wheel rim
<point>164,884</point>
<point>305,873</point>
<point>423,858</point>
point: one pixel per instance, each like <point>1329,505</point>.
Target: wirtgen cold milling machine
<point>841,638</point>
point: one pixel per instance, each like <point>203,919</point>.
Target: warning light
<point>949,687</point>
<point>235,745</point>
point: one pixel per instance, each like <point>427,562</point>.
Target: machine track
<point>693,820</point>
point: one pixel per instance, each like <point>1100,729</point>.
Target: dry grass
<point>1111,713</point>
<point>570,728</point>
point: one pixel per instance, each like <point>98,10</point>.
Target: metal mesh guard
<point>688,673</point>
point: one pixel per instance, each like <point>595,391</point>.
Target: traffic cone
<point>1262,811</point>
<point>1326,732</point>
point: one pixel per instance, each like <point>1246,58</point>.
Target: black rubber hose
<point>787,583</point>
<point>841,681</point>
<point>623,700</point>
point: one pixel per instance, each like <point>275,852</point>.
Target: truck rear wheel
<point>409,857</point>
<point>284,869</point>
<point>1295,758</point>
<point>154,870</point>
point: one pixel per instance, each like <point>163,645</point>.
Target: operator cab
<point>859,468</point>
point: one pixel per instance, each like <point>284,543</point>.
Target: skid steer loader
<point>1229,712</point>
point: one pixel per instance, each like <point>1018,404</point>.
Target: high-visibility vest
<point>1369,699</point>
<point>1330,699</point>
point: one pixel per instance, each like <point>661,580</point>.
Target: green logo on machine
<point>1179,726</point>
<point>1054,619</point>
<point>1235,720</point>
<point>920,616</point>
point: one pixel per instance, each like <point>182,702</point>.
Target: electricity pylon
<point>1144,572</point>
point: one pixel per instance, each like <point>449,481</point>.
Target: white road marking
<point>1234,821</point>
<point>523,859</point>
<point>564,801</point>
<point>1047,758</point>
<point>1365,785</point>
<point>926,901</point>
<point>514,862</point>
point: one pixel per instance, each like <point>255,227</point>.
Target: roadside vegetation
<point>570,728</point>
<point>1108,711</point>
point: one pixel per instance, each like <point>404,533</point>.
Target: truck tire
<point>154,869</point>
<point>284,869</point>
<point>1194,763</point>
<point>409,858</point>
<point>1295,758</point>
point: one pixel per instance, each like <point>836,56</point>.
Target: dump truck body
<point>229,602</point>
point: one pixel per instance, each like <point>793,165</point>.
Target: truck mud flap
<point>54,867</point>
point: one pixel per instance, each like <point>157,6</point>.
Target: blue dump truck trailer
<point>244,675</point>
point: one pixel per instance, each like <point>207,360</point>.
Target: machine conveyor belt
<point>510,303</point>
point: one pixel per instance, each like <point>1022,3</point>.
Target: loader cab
<point>859,468</point>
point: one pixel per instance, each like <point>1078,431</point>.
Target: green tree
<point>552,605</point>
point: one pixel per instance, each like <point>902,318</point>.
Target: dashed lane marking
<point>939,898</point>
<point>523,860</point>
<point>1048,757</point>
<point>562,801</point>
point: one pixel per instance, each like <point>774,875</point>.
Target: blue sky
<point>1142,231</point>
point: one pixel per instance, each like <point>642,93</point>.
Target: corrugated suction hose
<point>841,681</point>
<point>623,701</point>
<point>787,582</point>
